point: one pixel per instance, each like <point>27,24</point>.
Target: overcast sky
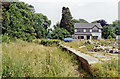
<point>89,10</point>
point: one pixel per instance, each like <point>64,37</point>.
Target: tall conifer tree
<point>66,21</point>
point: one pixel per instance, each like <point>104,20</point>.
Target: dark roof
<point>87,25</point>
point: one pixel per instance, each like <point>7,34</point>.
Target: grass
<point>106,69</point>
<point>23,59</point>
<point>86,50</point>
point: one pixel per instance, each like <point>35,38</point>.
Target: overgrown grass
<point>106,69</point>
<point>74,44</point>
<point>23,59</point>
<point>78,43</point>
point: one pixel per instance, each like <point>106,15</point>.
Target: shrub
<point>49,42</point>
<point>60,33</point>
<point>5,38</point>
<point>109,37</point>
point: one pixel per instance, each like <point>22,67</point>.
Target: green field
<point>23,59</point>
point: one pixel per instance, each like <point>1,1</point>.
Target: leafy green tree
<point>116,23</point>
<point>117,30</point>
<point>57,25</point>
<point>116,26</point>
<point>60,33</point>
<point>107,32</point>
<point>66,21</point>
<point>79,21</point>
<point>41,25</point>
<point>18,21</point>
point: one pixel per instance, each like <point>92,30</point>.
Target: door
<point>88,37</point>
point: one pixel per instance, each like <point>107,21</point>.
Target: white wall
<point>118,37</point>
<point>97,34</point>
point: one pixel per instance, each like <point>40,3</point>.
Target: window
<point>79,30</point>
<point>95,31</point>
<point>87,30</point>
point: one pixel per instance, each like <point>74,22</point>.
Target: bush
<point>49,42</point>
<point>60,33</point>
<point>5,38</point>
<point>109,37</point>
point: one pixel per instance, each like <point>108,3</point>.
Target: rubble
<point>103,47</point>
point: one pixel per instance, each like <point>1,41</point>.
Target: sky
<point>89,10</point>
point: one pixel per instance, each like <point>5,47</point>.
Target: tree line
<point>20,22</point>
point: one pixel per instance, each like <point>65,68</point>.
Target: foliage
<point>117,30</point>
<point>109,37</point>
<point>47,42</point>
<point>5,38</point>
<point>116,23</point>
<point>107,32</point>
<point>18,22</point>
<point>41,24</point>
<point>60,33</point>
<point>102,22</point>
<point>57,25</point>
<point>79,21</point>
<point>116,26</point>
<point>66,21</point>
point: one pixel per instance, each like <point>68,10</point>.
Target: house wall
<point>118,37</point>
<point>93,34</point>
<point>97,34</point>
<point>76,36</point>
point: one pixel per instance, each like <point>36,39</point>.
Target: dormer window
<point>95,29</point>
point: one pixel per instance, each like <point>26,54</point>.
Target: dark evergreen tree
<point>66,21</point>
<point>102,22</point>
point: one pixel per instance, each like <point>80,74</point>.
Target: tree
<point>79,21</point>
<point>60,33</point>
<point>66,21</point>
<point>18,21</point>
<point>32,8</point>
<point>107,32</point>
<point>116,23</point>
<point>102,22</point>
<point>116,26</point>
<point>117,30</point>
<point>41,25</point>
<point>57,25</point>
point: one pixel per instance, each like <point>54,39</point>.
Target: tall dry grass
<point>23,59</point>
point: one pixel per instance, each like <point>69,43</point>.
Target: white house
<point>117,37</point>
<point>87,31</point>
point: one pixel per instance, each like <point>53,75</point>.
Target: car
<point>68,39</point>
